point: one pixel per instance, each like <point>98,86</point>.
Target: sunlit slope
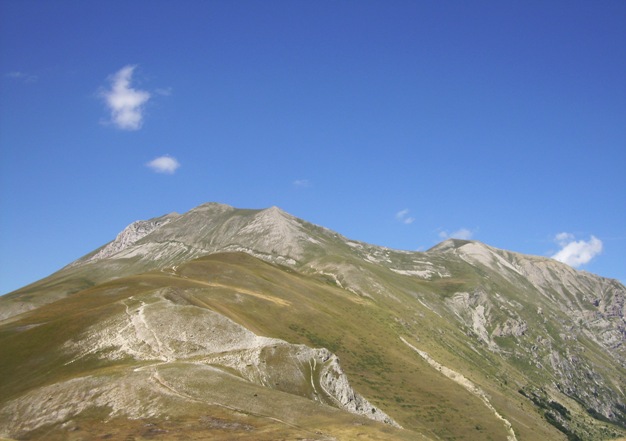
<point>173,239</point>
<point>127,348</point>
<point>463,341</point>
<point>167,346</point>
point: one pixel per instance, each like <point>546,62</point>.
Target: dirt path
<point>467,384</point>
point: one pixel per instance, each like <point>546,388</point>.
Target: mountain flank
<point>226,323</point>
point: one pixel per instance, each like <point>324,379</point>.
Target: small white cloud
<point>461,233</point>
<point>403,216</point>
<point>576,253</point>
<point>21,76</point>
<point>164,91</point>
<point>164,164</point>
<point>125,103</point>
<point>563,238</point>
<point>303,183</point>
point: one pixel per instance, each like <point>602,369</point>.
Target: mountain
<point>225,323</point>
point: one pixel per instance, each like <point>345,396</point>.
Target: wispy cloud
<point>167,91</point>
<point>125,103</point>
<point>21,76</point>
<point>164,164</point>
<point>403,216</point>
<point>461,233</point>
<point>576,252</point>
<point>302,183</point>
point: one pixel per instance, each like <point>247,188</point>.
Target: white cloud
<point>576,252</point>
<point>21,76</point>
<point>563,238</point>
<point>164,91</point>
<point>164,164</point>
<point>403,216</point>
<point>461,233</point>
<point>304,183</point>
<point>124,102</point>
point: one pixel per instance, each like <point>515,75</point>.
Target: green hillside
<point>318,338</point>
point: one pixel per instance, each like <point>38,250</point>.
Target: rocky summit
<point>225,323</point>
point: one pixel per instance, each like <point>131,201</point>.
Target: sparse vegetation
<point>354,299</point>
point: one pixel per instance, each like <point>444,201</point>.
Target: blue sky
<point>396,123</point>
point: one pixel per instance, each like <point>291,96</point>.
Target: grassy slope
<point>30,359</point>
<point>278,302</point>
<point>365,334</point>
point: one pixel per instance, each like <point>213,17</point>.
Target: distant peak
<point>276,210</point>
<point>213,206</point>
<point>275,214</point>
<point>450,244</point>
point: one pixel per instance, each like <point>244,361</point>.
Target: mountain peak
<point>450,244</point>
<point>277,214</point>
<point>213,206</point>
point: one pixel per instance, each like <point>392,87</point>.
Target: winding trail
<point>465,383</point>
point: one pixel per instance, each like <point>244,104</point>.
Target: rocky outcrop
<point>163,328</point>
<point>129,236</point>
<point>335,383</point>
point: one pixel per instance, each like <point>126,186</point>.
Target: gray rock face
<point>129,236</point>
<point>551,312</point>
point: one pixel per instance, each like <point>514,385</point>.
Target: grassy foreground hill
<point>251,324</point>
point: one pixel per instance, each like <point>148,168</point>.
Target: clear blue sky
<point>396,123</point>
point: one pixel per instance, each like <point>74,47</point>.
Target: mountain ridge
<point>508,331</point>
